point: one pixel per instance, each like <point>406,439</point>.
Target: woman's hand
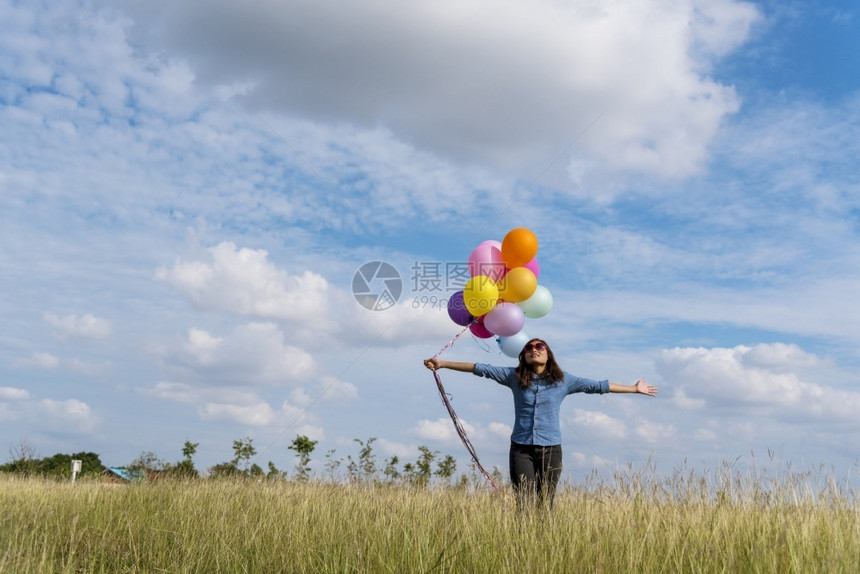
<point>433,363</point>
<point>644,388</point>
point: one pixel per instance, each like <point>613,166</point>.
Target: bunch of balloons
<point>502,291</point>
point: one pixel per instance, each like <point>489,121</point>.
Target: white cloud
<point>704,435</point>
<point>656,433</point>
<point>260,414</point>
<point>764,379</point>
<point>74,326</point>
<point>244,282</point>
<point>600,424</point>
<point>683,402</point>
<point>87,368</point>
<point>300,397</point>
<point>441,430</point>
<point>13,394</point>
<point>253,354</point>
<point>39,360</point>
<point>337,391</point>
<point>7,413</point>
<point>313,432</point>
<point>528,76</point>
<point>400,450</point>
<point>186,393</point>
<point>70,415</point>
<point>500,430</point>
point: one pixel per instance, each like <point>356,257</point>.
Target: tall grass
<point>634,522</point>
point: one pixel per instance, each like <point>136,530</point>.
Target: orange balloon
<point>519,247</point>
<point>517,285</point>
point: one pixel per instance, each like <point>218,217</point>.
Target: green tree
<point>24,459</point>
<point>446,468</point>
<point>391,473</point>
<point>332,464</point>
<point>185,467</point>
<point>223,469</point>
<point>303,447</point>
<point>420,473</point>
<point>243,450</point>
<point>274,472</point>
<point>60,465</point>
<point>148,462</point>
<point>365,468</point>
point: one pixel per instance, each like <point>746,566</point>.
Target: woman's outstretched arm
<point>437,363</point>
<point>640,387</point>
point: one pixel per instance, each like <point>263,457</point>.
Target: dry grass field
<point>687,523</point>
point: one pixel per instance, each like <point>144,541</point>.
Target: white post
<point>76,468</point>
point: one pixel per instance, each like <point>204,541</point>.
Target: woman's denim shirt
<point>536,409</point>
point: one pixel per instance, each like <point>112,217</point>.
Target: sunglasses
<point>535,347</point>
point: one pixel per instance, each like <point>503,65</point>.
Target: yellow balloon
<point>480,295</point>
<point>517,285</point>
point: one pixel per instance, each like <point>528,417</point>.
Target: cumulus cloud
<point>441,430</point>
<point>398,449</point>
<point>70,415</point>
<point>600,423</point>
<point>13,394</point>
<point>74,326</point>
<point>39,360</point>
<point>500,430</point>
<point>502,80</point>
<point>186,393</point>
<point>260,414</point>
<point>230,404</point>
<point>765,378</point>
<point>257,413</point>
<point>243,281</point>
<point>335,390</point>
<point>252,354</point>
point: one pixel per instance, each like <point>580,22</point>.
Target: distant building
<point>122,474</point>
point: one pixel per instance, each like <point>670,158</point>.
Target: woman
<point>538,385</point>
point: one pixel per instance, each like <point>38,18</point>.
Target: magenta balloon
<point>477,328</point>
<point>457,309</point>
<point>486,259</point>
<point>534,266</point>
<point>505,319</point>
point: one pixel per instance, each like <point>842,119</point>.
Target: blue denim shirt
<point>536,409</point>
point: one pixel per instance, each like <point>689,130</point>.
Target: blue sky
<point>188,190</point>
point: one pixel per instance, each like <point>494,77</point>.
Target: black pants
<point>535,471</point>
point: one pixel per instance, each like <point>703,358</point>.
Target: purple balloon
<point>457,309</point>
<point>505,319</point>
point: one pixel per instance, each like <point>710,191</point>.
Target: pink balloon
<point>486,259</point>
<point>477,328</point>
<point>534,266</point>
<point>505,319</point>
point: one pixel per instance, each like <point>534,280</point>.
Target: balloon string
<point>461,432</point>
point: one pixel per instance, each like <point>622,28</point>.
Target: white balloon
<point>538,304</point>
<point>511,346</point>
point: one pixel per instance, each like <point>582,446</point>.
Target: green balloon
<point>538,305</point>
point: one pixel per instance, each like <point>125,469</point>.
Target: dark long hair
<point>524,371</point>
